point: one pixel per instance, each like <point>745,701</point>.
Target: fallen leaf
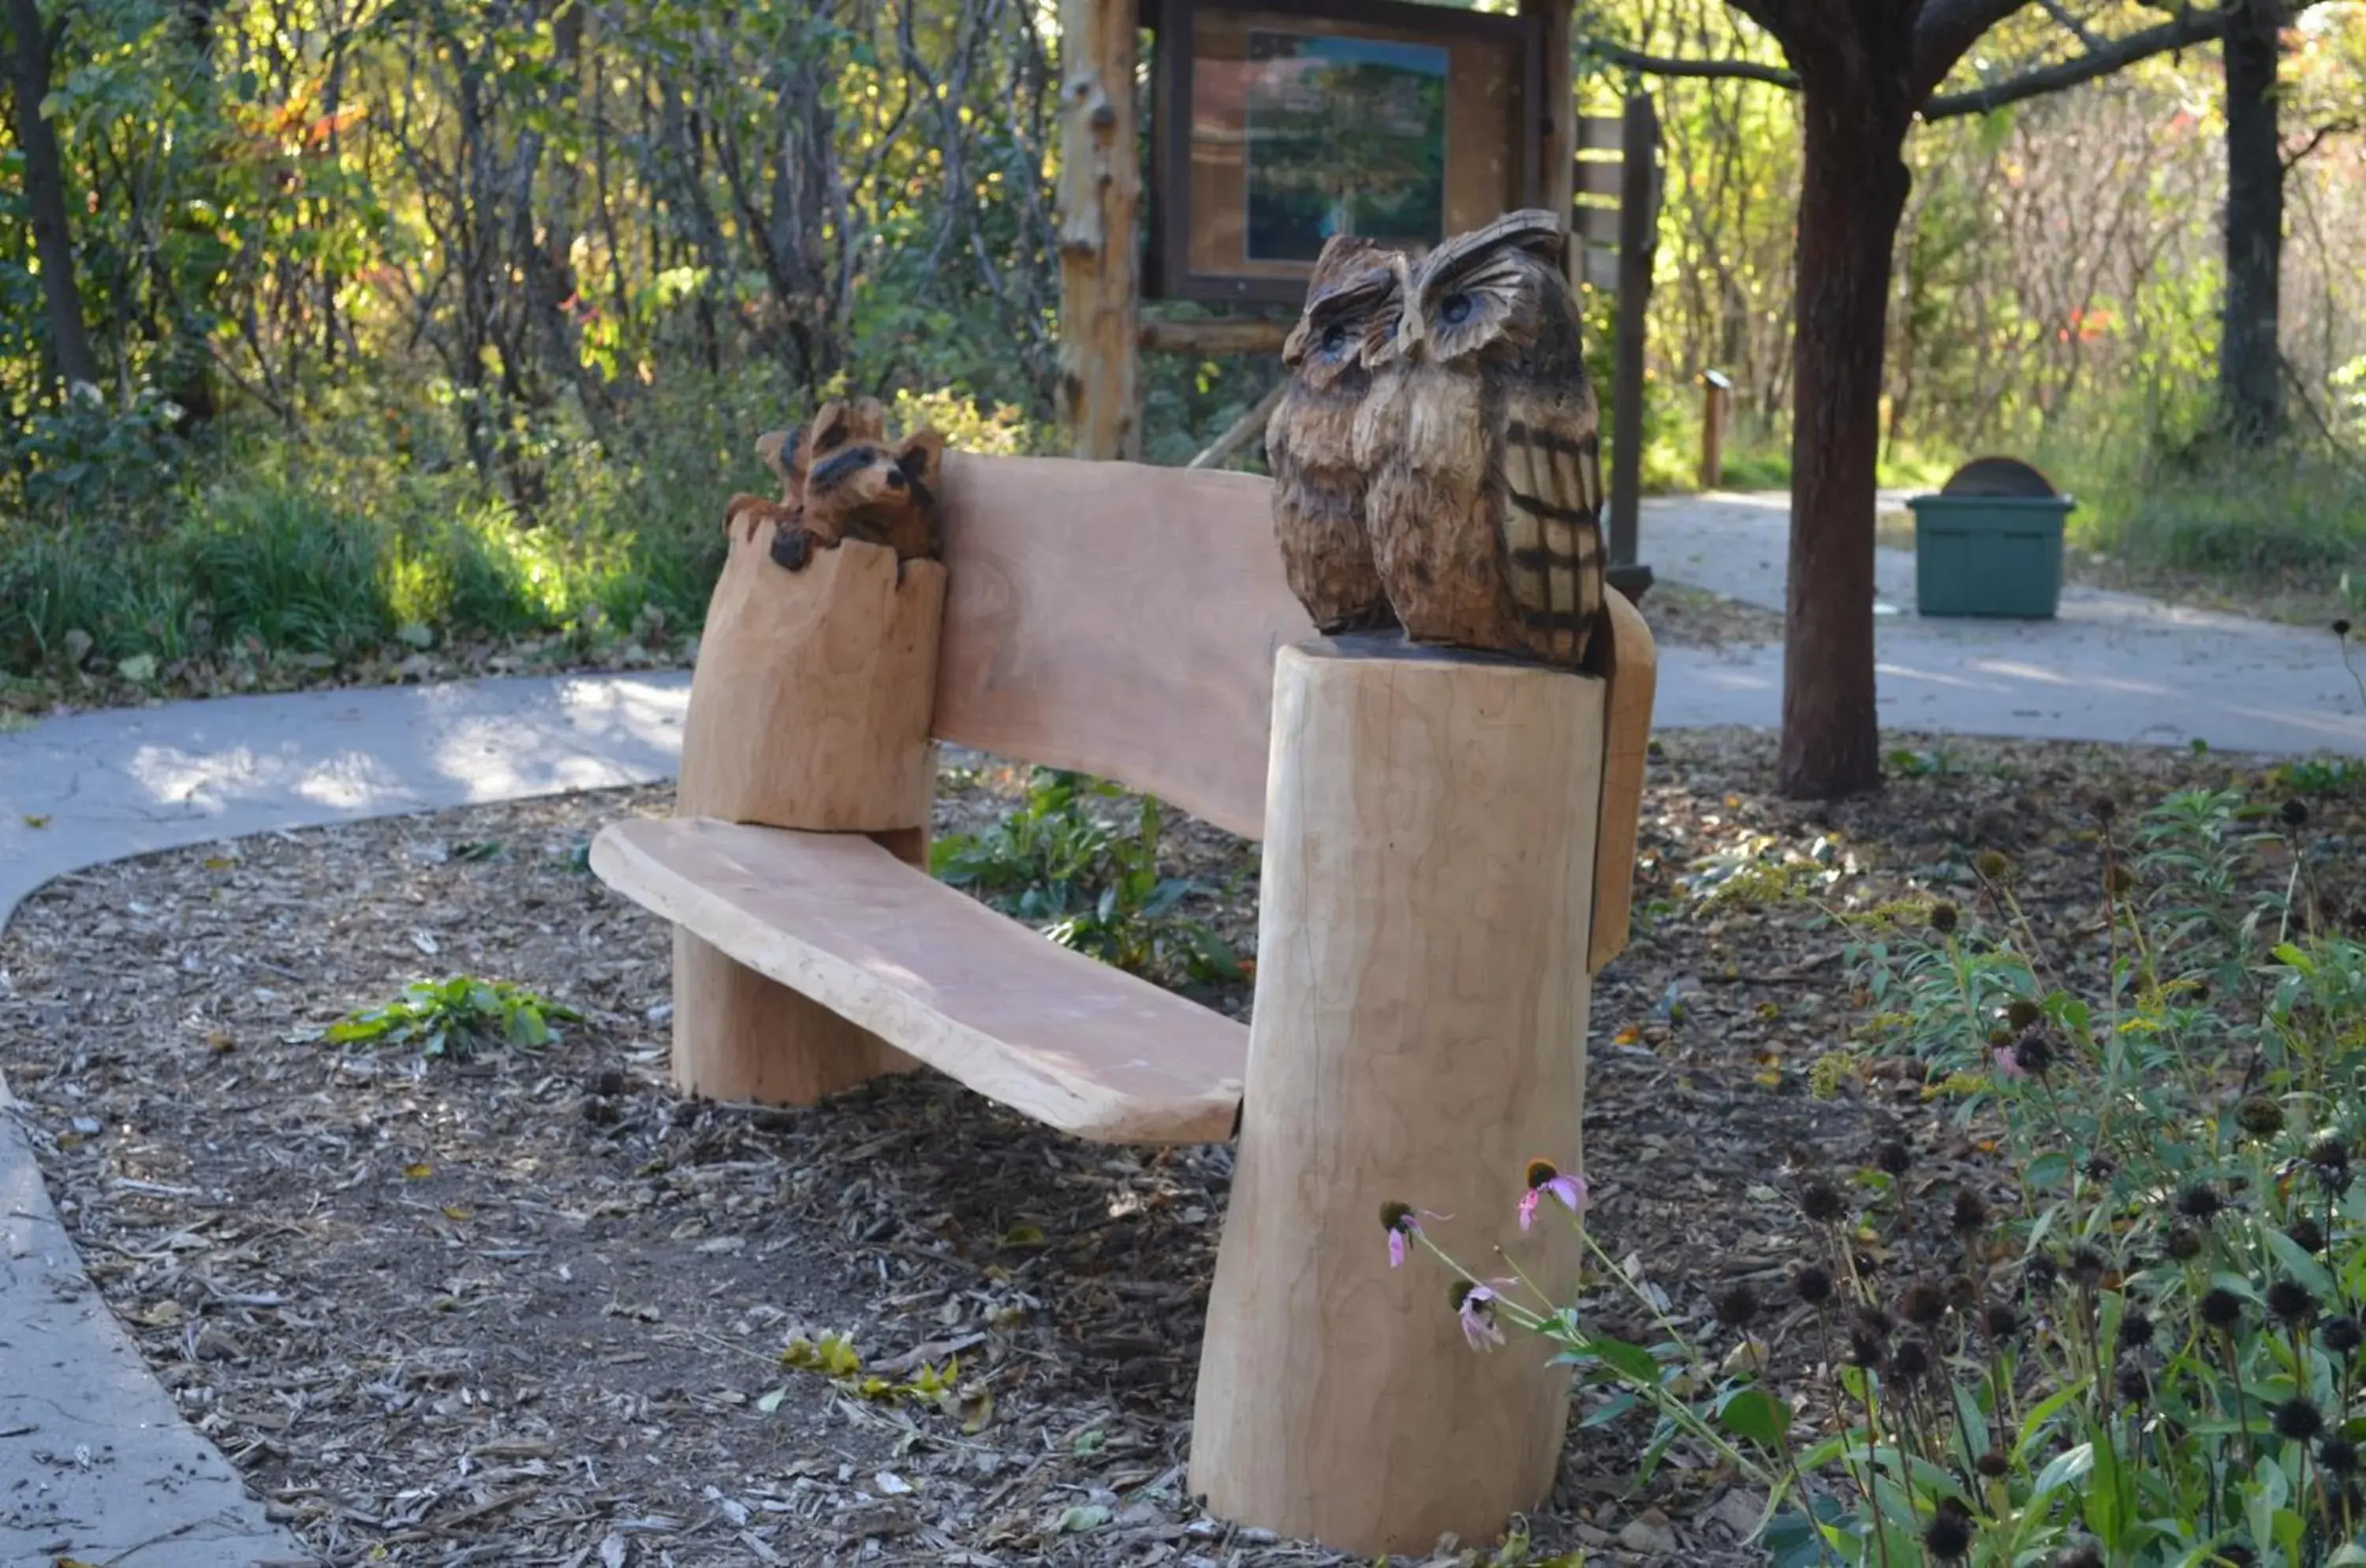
<point>419,1172</point>
<point>33,821</point>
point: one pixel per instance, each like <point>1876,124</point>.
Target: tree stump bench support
<point>1447,845</point>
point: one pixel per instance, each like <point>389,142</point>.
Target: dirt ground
<point>532,1307</point>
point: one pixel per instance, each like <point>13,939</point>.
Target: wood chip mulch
<point>531,1307</point>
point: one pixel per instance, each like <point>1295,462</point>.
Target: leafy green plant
<point>1087,884</point>
<point>2137,1341</point>
<point>454,1018</point>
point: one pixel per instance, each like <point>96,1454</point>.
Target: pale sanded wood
<point>1623,655</point>
<point>1419,1031</point>
<point>1119,619</point>
<point>809,708</point>
<point>1081,1046</point>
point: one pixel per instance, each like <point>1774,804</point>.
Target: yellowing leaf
<point>1629,1033</point>
<point>217,863</point>
<point>419,1172</point>
<point>457,1212</point>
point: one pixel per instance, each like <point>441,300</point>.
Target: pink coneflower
<point>2008,1063</point>
<point>1402,1220</point>
<point>1470,1304</point>
<point>1545,1177</point>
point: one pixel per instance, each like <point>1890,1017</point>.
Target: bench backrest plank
<point>1118,619</point>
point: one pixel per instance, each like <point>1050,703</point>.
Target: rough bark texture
<point>1853,184</point>
<point>2251,369</point>
<point>1100,191</point>
<point>45,193</point>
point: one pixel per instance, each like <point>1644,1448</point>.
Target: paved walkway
<point>94,1463</point>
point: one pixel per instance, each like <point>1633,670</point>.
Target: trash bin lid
<point>1998,476</point>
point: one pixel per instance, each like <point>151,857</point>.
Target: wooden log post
<point>1419,1034</point>
<point>1101,194</point>
<point>809,709</point>
<point>1716,391</point>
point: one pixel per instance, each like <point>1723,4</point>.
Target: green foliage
<point>2151,1348</point>
<point>1089,884</point>
<point>454,1018</point>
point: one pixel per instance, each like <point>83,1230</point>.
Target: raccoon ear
<point>829,431</point>
<point>867,420</point>
<point>921,455</point>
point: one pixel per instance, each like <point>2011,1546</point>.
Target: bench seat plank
<point>1073,1043</point>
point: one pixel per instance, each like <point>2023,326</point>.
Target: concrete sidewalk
<point>94,1461</point>
<point>2113,667</point>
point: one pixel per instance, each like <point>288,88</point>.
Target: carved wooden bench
<point>1448,842</point>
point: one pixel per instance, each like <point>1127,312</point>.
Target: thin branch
<point>2078,30</point>
<point>2316,138</point>
<point>1659,65</point>
<point>2196,27</point>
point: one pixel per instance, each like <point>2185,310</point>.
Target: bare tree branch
<point>1944,30</point>
<point>2078,30</point>
<point>1659,65</point>
<point>2195,27</point>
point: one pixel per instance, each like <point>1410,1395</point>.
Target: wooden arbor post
<point>1101,194</point>
<point>809,709</point>
<point>1419,1032</point>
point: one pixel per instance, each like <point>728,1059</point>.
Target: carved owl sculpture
<point>1318,489</point>
<point>1481,434</point>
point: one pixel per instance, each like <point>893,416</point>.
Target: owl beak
<point>1409,326</point>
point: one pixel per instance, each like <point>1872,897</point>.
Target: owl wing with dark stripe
<point>1551,520</point>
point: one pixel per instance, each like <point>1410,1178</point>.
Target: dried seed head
<point>1737,1307</point>
<point>1894,1156</point>
<point>2183,1243</point>
<point>2290,1302</point>
<point>1812,1285</point>
<point>1948,1537</point>
<point>2120,880</point>
<point>2200,1201</point>
<point>2341,628</point>
<point>1970,1213</point>
<point>1992,864</point>
<point>2259,1116</point>
<point>2104,807</point>
<point>1945,918</point>
<point>2295,813</point>
<point>2001,1321</point>
<point>2134,1384</point>
<point>2040,1274</point>
<point>2340,1334</point>
<point>2022,1013</point>
<point>1866,1351</point>
<point>1923,1303</point>
<point>2306,1234</point>
<point>1873,1321</point>
<point>2222,1309</point>
<point>2135,1330</point>
<point>1993,1464</point>
<point>2086,1268</point>
<point>1963,1292</point>
<point>1909,1361</point>
<point>1821,1202</point>
<point>2299,1419</point>
<point>2339,1455</point>
<point>2035,1053</point>
<point>2329,1152</point>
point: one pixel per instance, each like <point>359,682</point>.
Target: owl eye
<point>1456,310</point>
<point>1335,338</point>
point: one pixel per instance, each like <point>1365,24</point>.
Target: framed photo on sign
<point>1279,123</point>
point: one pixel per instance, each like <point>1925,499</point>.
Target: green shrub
<point>2141,1344</point>
<point>1087,885</point>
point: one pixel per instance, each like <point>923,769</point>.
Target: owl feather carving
<point>1318,493</point>
<point>1480,435</point>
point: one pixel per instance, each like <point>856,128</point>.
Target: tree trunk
<point>45,194</point>
<point>1853,191</point>
<point>2251,369</point>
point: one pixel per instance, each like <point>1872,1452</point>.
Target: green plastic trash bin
<point>1990,543</point>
